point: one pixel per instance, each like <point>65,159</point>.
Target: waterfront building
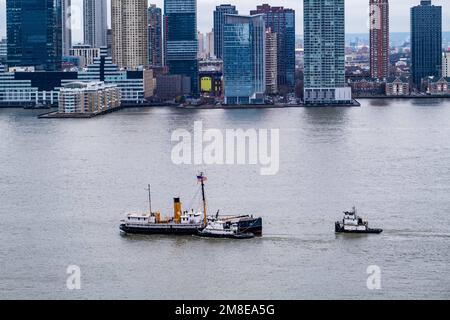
<point>438,86</point>
<point>244,59</point>
<point>426,41</point>
<point>170,87</point>
<point>397,86</point>
<point>95,21</point>
<point>155,40</point>
<point>282,22</point>
<point>43,20</point>
<point>446,64</point>
<point>28,88</point>
<point>88,97</point>
<point>324,53</point>
<point>271,62</point>
<point>379,39</point>
<point>210,76</point>
<point>219,21</point>
<point>136,86</point>
<point>180,41</point>
<point>129,33</point>
<point>85,53</point>
<point>66,26</point>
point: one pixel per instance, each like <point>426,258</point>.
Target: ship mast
<point>150,199</point>
<point>202,179</point>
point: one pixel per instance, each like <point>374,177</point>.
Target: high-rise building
<point>379,39</point>
<point>155,40</point>
<point>66,26</point>
<point>95,20</point>
<point>282,22</point>
<point>324,55</point>
<point>209,45</point>
<point>34,34</point>
<point>130,33</point>
<point>201,45</point>
<point>219,21</point>
<point>426,41</point>
<point>271,62</point>
<point>244,59</point>
<point>180,41</point>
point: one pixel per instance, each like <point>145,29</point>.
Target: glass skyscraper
<point>244,59</point>
<point>219,21</point>
<point>34,33</point>
<point>282,22</point>
<point>426,41</point>
<point>180,41</point>
<point>155,41</point>
<point>324,32</point>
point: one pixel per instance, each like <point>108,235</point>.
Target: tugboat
<point>185,222</point>
<point>352,223</point>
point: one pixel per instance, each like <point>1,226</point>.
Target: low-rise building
<point>169,87</point>
<point>88,97</point>
<point>398,86</point>
<point>362,86</point>
<point>437,86</point>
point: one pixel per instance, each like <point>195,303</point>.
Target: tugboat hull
<point>240,236</point>
<point>340,229</point>
<point>251,225</point>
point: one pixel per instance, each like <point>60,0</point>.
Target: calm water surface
<point>65,185</point>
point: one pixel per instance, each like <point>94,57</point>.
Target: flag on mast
<point>201,178</point>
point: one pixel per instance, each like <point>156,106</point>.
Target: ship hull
<point>241,236</point>
<point>161,230</point>
<point>251,225</point>
<point>340,229</point>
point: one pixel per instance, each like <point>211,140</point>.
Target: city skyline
<point>399,14</point>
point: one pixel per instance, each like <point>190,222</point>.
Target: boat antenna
<point>150,198</point>
<point>201,178</point>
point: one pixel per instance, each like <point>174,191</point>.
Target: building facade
<point>95,21</point>
<point>244,59</point>
<point>446,64</point>
<point>397,86</point>
<point>219,21</point>
<point>426,41</point>
<point>155,39</point>
<point>180,41</point>
<point>379,39</point>
<point>271,62</point>
<point>43,20</point>
<point>282,22</point>
<point>88,97</point>
<point>3,51</point>
<point>324,53</point>
<point>130,33</point>
<point>85,53</point>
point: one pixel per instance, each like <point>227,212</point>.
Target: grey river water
<point>66,184</point>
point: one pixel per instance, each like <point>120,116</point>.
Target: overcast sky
<point>356,17</point>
